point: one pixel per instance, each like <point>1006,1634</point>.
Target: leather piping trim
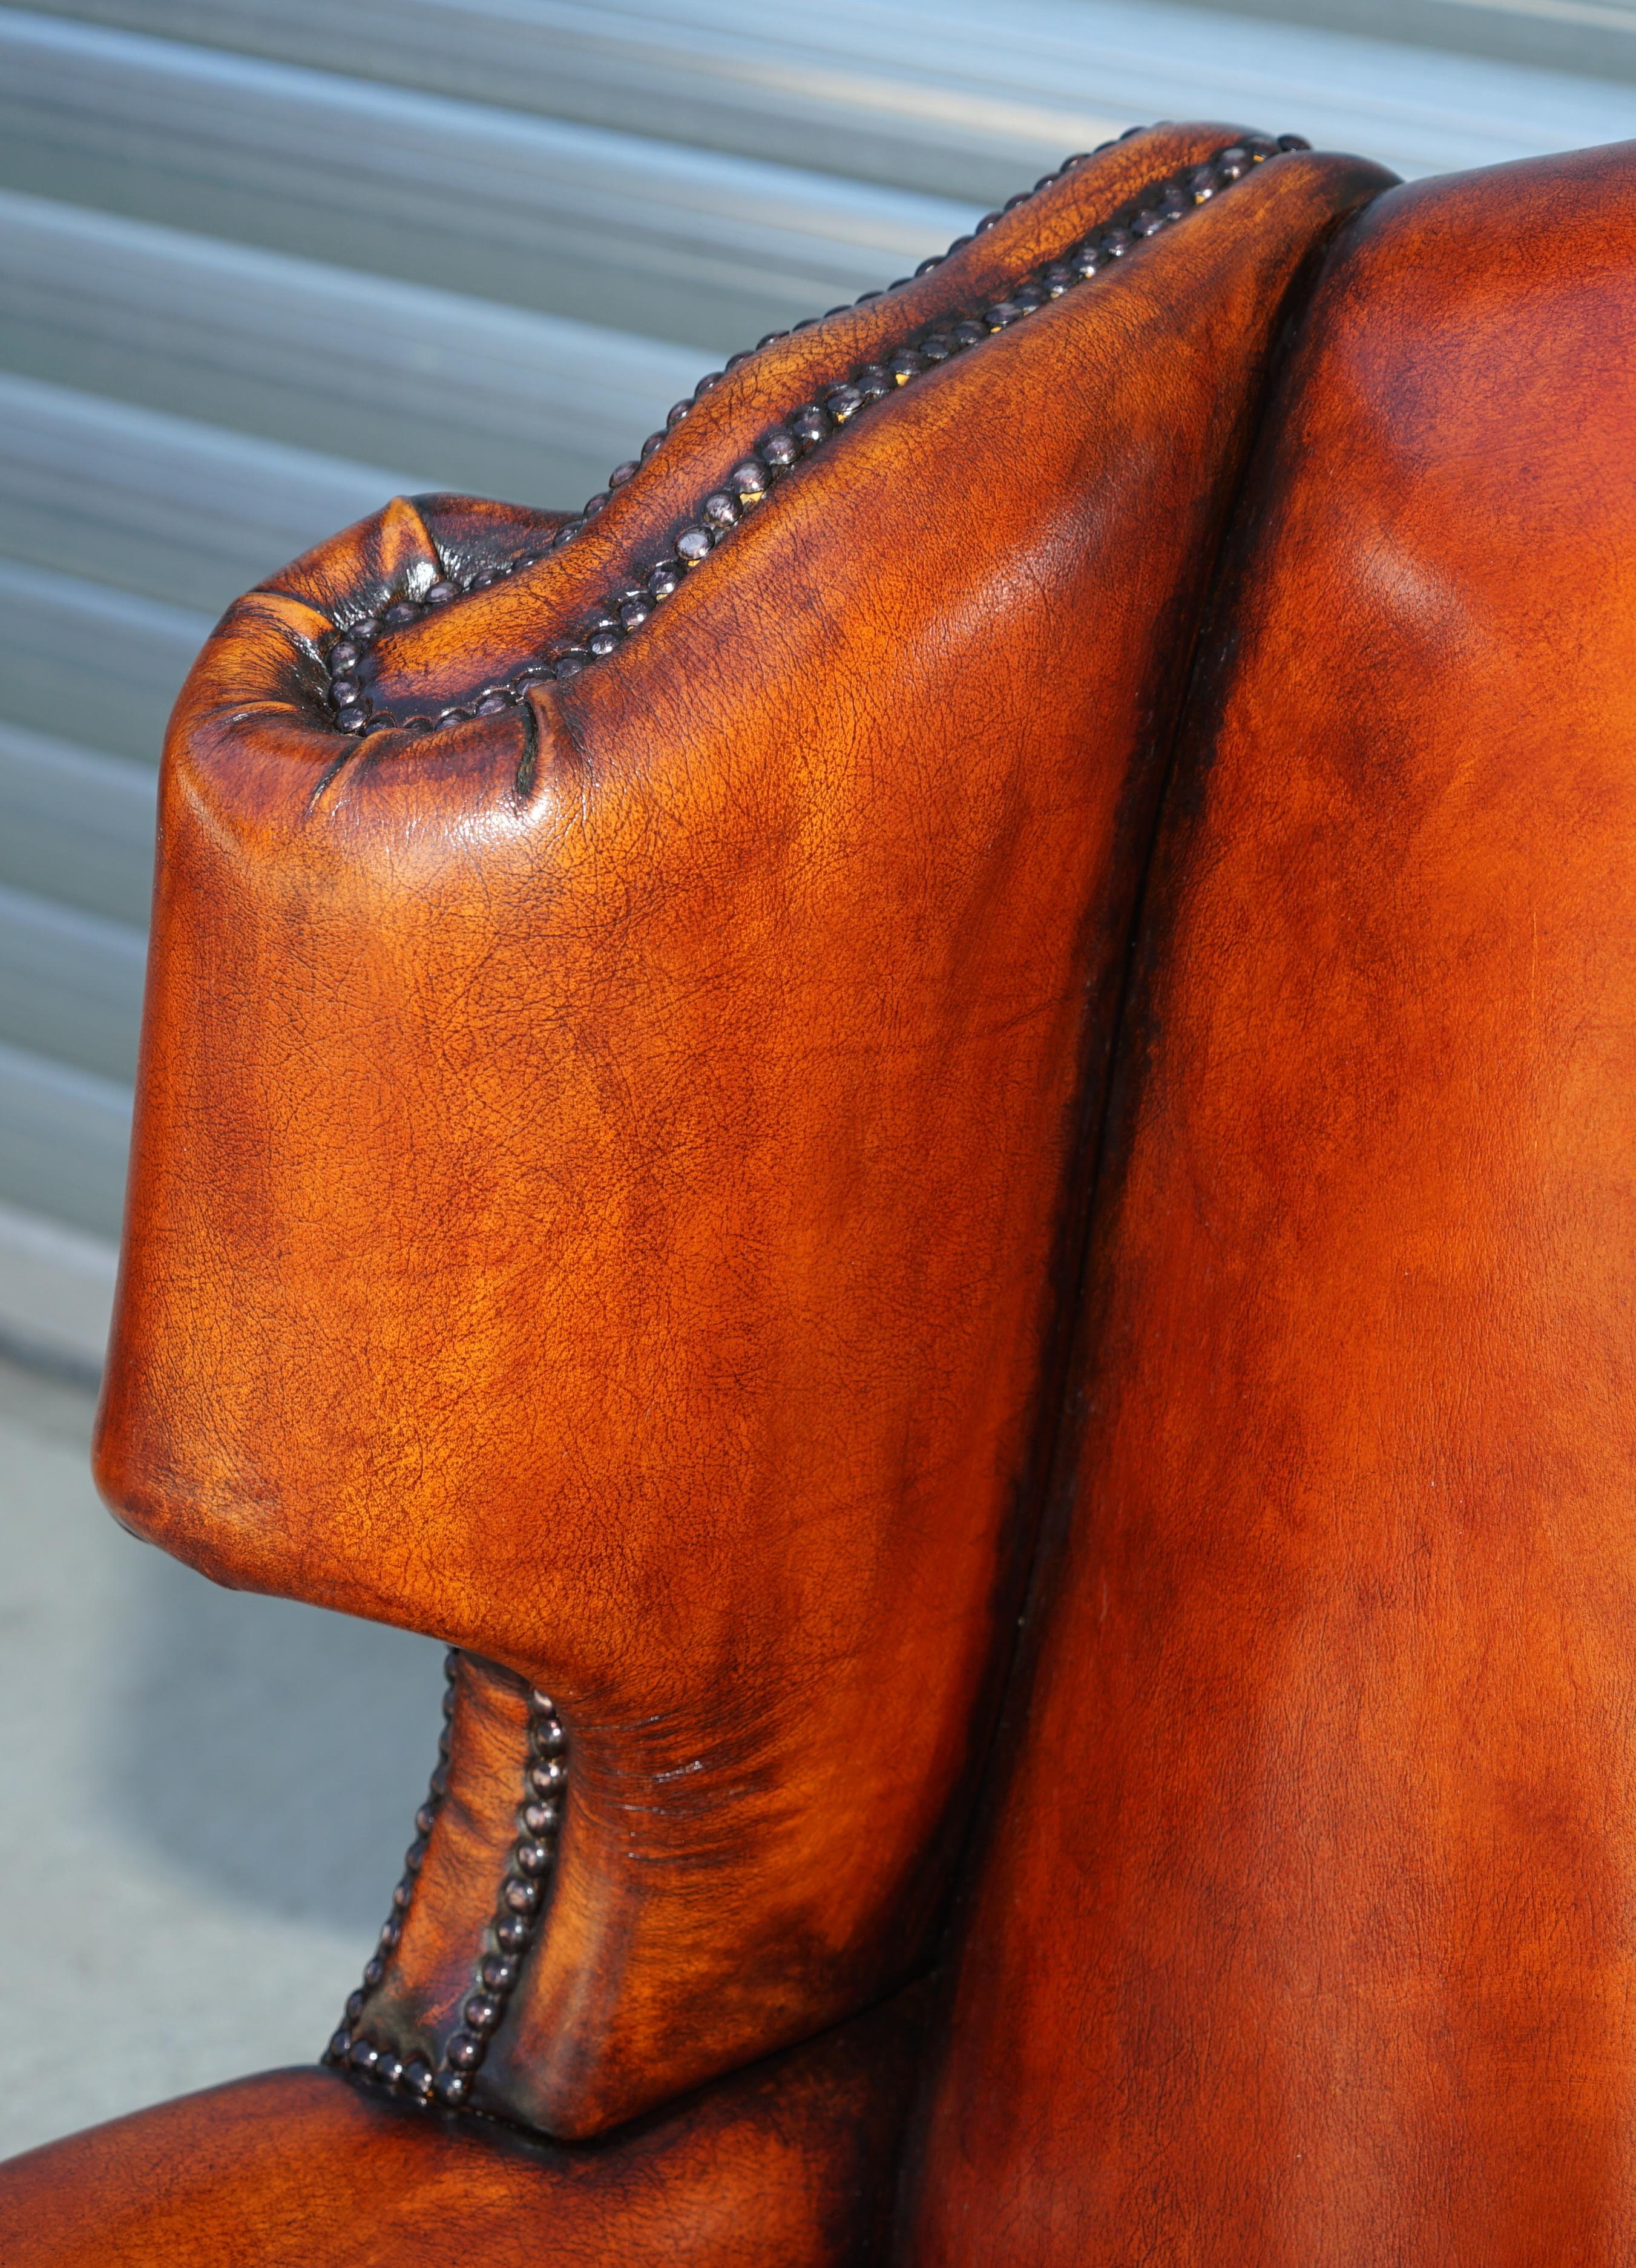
<point>518,1911</point>
<point>1153,210</point>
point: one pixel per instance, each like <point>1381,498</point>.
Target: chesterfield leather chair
<point>930,1127</point>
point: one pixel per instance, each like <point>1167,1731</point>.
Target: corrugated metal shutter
<point>262,266</point>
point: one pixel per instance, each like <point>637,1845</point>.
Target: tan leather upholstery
<point>1322,1821</point>
<point>605,1167</point>
<point>611,1190</point>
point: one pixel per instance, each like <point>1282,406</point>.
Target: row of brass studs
<point>508,1937</point>
<point>778,452</point>
<point>350,2045</point>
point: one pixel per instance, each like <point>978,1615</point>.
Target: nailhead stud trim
<point>350,659</point>
<point>356,2045</point>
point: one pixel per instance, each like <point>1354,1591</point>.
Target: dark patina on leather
<point>703,1098</point>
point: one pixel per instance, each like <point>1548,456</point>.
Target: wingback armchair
<point>930,1128</point>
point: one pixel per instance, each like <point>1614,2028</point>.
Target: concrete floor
<point>204,1799</point>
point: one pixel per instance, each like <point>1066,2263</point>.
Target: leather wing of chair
<point>631,998</point>
<point>622,1098</point>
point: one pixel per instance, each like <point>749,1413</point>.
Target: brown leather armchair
<point>954,1193</point>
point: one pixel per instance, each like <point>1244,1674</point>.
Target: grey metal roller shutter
<point>261,267</point>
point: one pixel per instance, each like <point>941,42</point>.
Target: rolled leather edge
<point>601,1185</point>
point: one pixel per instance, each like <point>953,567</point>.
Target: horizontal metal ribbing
<point>497,400</point>
<point>701,247</point>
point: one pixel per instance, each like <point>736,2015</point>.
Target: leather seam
<point>509,1935</point>
<point>1151,211</point>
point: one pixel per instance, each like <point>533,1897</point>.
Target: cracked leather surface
<point>611,1212</point>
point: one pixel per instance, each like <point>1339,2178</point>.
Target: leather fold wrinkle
<point>1305,1926</point>
<point>603,1169</point>
<point>400,551</point>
